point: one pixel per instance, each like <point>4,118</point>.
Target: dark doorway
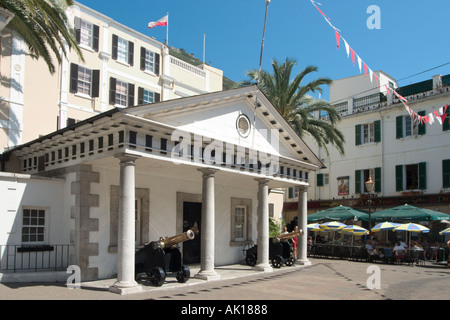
<point>192,215</point>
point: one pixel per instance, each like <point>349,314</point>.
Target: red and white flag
<point>161,22</point>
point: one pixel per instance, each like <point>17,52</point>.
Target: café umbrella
<point>339,213</point>
<point>332,226</point>
<point>412,227</point>
<point>355,231</point>
<point>408,213</point>
<point>385,226</point>
<point>445,232</point>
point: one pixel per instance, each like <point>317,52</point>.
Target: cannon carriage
<point>158,258</point>
<point>280,250</point>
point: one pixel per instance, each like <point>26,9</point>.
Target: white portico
<point>140,173</point>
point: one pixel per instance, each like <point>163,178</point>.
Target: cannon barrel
<point>169,242</point>
<point>286,236</point>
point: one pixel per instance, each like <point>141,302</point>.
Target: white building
<point>409,162</point>
<point>197,159</point>
<point>122,68</point>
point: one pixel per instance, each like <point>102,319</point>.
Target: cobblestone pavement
<point>325,279</point>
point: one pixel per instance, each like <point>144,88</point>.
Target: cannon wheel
<point>250,259</point>
<point>157,276</point>
<point>277,262</point>
<point>184,274</point>
<point>290,261</point>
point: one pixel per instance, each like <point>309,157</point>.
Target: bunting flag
<point>438,115</point>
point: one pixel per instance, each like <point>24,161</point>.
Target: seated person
<point>369,246</point>
<point>399,252</point>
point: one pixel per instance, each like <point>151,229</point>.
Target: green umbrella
<point>339,213</point>
<point>408,213</point>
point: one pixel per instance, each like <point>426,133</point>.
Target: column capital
<point>263,180</point>
<point>207,171</point>
<point>126,158</point>
<point>302,188</point>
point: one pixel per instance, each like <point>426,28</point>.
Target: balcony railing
<point>187,66</point>
<point>34,258</point>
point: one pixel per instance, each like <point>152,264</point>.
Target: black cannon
<point>280,250</point>
<point>158,258</point>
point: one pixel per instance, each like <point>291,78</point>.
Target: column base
<point>125,287</point>
<point>303,262</point>
<point>264,267</point>
<point>207,275</point>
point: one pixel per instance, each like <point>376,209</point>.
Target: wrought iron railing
<point>34,258</point>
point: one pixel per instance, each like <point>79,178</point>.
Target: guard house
<point>128,176</point>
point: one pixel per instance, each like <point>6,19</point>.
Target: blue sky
<point>414,34</point>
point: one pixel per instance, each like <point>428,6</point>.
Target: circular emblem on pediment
<point>243,125</point>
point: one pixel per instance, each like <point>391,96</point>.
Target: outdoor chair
<point>387,258</point>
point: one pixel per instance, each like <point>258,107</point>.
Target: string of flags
<point>438,115</point>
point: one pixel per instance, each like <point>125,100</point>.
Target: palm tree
<point>298,108</point>
<point>43,24</point>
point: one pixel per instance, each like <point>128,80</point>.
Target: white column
<point>263,226</point>
<point>302,225</point>
<point>207,271</point>
<point>126,245</point>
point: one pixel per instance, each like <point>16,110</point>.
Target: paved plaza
<point>325,279</point>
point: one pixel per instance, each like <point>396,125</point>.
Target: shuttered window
<point>446,173</point>
<point>84,81</point>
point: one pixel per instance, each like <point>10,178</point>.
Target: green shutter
<point>320,179</point>
<point>377,126</point>
<point>358,134</point>
<point>422,175</point>
<point>446,173</point>
<point>377,179</point>
<point>399,127</point>
<point>446,124</point>
<point>358,181</point>
<point>399,178</point>
<point>422,127</point>
<point>291,193</point>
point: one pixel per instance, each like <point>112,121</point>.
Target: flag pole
<point>167,30</point>
<point>204,40</point>
<point>260,62</point>
<point>259,72</point>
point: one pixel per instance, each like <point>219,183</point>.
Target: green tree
<point>43,24</point>
<point>291,98</point>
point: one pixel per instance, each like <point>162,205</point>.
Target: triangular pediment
<point>242,117</point>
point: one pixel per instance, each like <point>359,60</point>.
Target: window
<point>33,225</point>
<point>121,93</point>
<point>241,210</point>
<point>292,193</point>
<point>240,217</point>
<point>322,179</point>
<point>146,96</point>
<point>368,133</point>
<point>406,127</point>
<point>411,177</point>
<point>149,61</point>
<point>87,34</point>
<point>122,50</point>
<point>84,81</point>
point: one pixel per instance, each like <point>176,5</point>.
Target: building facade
<point>408,161</point>
<point>129,176</point>
<point>122,68</point>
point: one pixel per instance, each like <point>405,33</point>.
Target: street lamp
<point>369,187</point>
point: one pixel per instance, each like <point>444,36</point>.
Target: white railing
<point>187,66</point>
